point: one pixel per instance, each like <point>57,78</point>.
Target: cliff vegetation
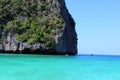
<point>32,21</point>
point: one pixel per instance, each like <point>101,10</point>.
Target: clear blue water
<point>48,67</point>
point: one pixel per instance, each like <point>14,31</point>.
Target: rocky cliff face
<point>60,37</point>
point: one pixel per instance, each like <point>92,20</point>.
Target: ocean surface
<point>48,67</point>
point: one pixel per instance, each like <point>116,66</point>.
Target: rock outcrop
<point>65,38</point>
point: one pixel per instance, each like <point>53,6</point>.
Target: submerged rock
<point>49,28</point>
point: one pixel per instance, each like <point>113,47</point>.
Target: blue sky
<point>97,25</point>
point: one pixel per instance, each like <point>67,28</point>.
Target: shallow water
<point>48,67</point>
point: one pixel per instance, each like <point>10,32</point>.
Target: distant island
<point>36,27</point>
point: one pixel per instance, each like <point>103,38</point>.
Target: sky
<point>97,25</point>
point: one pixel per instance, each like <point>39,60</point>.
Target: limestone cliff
<point>37,26</point>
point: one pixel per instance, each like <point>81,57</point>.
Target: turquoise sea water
<point>48,67</point>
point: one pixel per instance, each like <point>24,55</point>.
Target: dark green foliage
<point>31,21</point>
